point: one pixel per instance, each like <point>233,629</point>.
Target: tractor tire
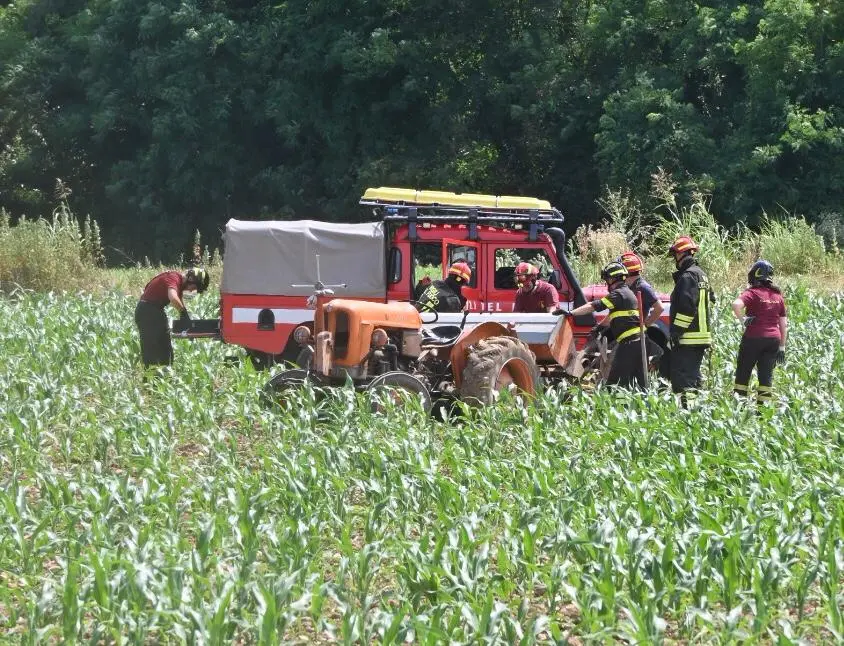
<point>495,363</point>
<point>397,385</point>
<point>305,358</point>
<point>282,383</point>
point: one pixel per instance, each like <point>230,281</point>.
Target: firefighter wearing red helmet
<point>167,288</point>
<point>446,295</point>
<point>690,334</point>
<point>533,295</point>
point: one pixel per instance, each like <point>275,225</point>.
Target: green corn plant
<point>185,508</point>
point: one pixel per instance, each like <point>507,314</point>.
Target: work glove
<point>561,312</point>
<point>674,339</point>
<point>184,316</point>
<point>748,320</point>
<point>781,355</point>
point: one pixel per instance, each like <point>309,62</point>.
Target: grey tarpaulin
<point>267,257</point>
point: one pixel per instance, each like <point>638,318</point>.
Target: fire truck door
<point>468,252</point>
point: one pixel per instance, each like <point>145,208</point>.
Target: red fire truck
<point>270,267</point>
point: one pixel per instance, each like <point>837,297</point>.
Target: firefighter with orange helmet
<point>446,295</point>
<point>690,334</point>
<point>533,295</point>
<point>652,307</point>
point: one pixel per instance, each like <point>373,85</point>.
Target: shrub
<point>792,245</point>
<point>49,255</point>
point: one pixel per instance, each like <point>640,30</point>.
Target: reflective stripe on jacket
<point>623,313</point>
<point>691,305</point>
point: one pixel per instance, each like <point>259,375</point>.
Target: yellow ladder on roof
<point>389,195</point>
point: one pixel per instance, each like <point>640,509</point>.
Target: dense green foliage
<point>181,509</point>
<point>168,116</point>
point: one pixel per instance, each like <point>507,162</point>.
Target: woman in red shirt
<point>766,324</point>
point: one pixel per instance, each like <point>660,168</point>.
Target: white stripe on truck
<point>282,315</point>
<point>285,315</point>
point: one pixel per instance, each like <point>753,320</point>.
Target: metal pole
<point>642,339</point>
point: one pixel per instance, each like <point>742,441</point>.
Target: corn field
<point>182,509</point>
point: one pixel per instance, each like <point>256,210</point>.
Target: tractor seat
<point>440,334</point>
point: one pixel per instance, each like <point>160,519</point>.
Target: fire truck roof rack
<point>418,207</point>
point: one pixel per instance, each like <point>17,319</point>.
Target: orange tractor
<point>387,346</point>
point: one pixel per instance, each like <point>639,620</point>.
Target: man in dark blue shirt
<point>652,307</point>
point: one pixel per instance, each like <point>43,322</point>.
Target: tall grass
<point>793,245</point>
<point>51,254</point>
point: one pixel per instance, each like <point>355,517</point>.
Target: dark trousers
<point>626,369</point>
<point>759,353</point>
<point>156,347</point>
<point>681,366</point>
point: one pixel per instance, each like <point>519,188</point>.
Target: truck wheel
<point>398,386</point>
<point>495,364</point>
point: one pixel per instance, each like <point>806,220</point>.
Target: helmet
<point>613,272</point>
<point>683,244</point>
<point>199,277</point>
<point>761,272</point>
<point>524,272</point>
<point>461,271</point>
<point>631,261</point>
<point>526,269</point>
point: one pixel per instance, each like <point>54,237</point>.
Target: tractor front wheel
<point>398,387</point>
<point>496,364</point>
<point>276,388</point>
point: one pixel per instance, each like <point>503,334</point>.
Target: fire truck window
<point>508,258</point>
<point>469,255</point>
<point>427,261</point>
<point>395,265</point>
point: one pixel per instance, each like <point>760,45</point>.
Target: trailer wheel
<point>398,386</point>
<point>495,364</point>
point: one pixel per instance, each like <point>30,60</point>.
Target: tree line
<point>167,116</point>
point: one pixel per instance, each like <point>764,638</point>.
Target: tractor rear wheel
<point>398,386</point>
<point>496,364</point>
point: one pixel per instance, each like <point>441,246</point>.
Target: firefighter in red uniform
<point>533,295</point>
<point>446,295</point>
<point>766,327</point>
<point>166,288</point>
<point>627,368</point>
<point>690,336</point>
